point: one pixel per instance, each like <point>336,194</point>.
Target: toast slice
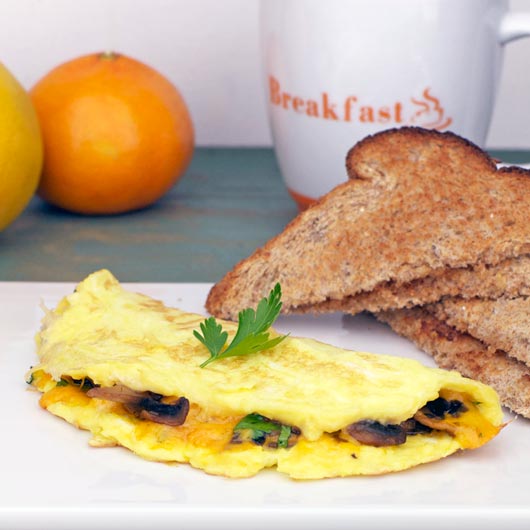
<point>454,350</point>
<point>508,279</point>
<point>417,201</point>
<point>501,324</point>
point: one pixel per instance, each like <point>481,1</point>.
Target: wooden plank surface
<point>229,202</point>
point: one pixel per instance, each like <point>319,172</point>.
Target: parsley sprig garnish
<point>251,335</point>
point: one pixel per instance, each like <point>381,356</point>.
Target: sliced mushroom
<point>412,427</point>
<point>145,405</point>
<point>376,434</point>
<point>439,407</point>
<point>173,413</point>
<point>117,393</point>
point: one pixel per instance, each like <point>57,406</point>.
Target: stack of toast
<point>427,234</point>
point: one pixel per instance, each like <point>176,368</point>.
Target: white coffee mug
<point>339,70</point>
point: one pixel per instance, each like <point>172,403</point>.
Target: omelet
<point>127,368</point>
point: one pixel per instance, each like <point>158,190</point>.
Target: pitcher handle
<point>514,26</point>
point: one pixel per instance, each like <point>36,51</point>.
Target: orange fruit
<point>117,134</point>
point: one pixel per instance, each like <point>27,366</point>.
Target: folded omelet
<point>127,368</point>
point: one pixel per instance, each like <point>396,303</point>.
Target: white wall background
<point>210,50</point>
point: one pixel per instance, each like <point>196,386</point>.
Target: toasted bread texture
<point>454,350</point>
<point>508,279</point>
<point>417,201</point>
<point>503,323</point>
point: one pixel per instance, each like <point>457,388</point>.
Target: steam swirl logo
<point>429,113</point>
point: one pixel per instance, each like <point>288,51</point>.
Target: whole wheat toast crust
<point>416,201</point>
<point>502,323</point>
<point>508,279</point>
<point>454,350</point>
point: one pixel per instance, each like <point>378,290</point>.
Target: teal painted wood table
<point>229,202</point>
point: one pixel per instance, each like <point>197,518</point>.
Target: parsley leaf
<point>257,422</point>
<point>260,427</point>
<point>213,337</point>
<point>251,335</point>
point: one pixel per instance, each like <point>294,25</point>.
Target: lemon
<point>20,148</point>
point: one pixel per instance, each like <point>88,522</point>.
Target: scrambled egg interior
<point>115,337</point>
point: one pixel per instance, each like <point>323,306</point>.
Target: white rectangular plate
<point>51,479</point>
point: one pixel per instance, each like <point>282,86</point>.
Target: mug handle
<point>514,26</point>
